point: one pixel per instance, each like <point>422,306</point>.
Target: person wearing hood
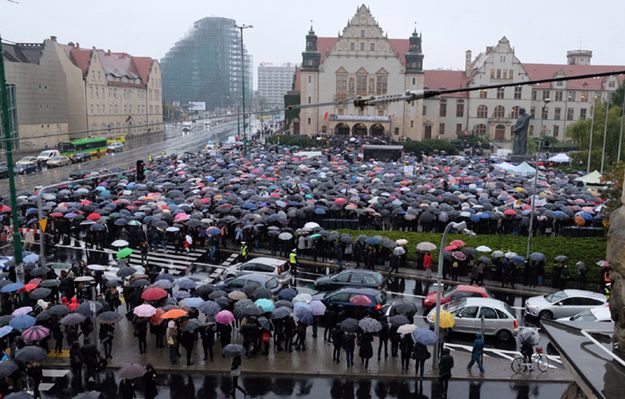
<point>477,353</point>
<point>444,371</point>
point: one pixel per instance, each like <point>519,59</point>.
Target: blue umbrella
<point>375,240</point>
<point>163,283</point>
<point>249,206</point>
<point>424,336</point>
<point>71,215</point>
<point>31,258</point>
<point>585,215</point>
<point>320,211</point>
<point>304,315</point>
<point>12,287</point>
<point>193,302</point>
<point>209,308</point>
<point>265,304</point>
<point>186,283</point>
<point>287,294</point>
<point>537,256</point>
<point>31,211</point>
<point>6,330</point>
<point>22,322</point>
<point>181,294</point>
<point>517,260</point>
<point>213,231</point>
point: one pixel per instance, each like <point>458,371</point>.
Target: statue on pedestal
<point>519,131</point>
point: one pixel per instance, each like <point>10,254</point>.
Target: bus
<point>92,145</point>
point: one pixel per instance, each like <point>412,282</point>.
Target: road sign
<point>43,222</point>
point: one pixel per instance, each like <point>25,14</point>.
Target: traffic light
<point>140,170</point>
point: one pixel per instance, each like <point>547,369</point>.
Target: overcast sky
<point>540,30</point>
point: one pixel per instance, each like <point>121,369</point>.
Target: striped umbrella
<point>35,333</point>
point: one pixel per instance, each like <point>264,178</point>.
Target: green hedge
<point>298,141</point>
<point>589,250</point>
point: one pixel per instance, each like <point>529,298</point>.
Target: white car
<point>499,318</point>
<point>115,147</point>
<point>564,303</point>
<point>601,314</point>
<point>262,265</point>
<point>58,161</point>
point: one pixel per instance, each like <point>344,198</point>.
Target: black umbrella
<point>50,283</point>
<point>404,308</point>
<point>89,395</point>
<point>203,290</point>
<point>217,294</point>
<point>126,271</point>
<point>232,350</point>
<point>30,354</point>
<point>398,320</point>
<point>43,316</point>
<point>39,271</point>
<point>349,325</point>
<point>73,319</point>
<point>40,293</point>
<point>85,308</point>
<point>262,292</point>
<point>222,301</point>
<point>131,371</point>
<point>109,317</point>
<point>5,319</point>
<point>58,310</point>
<point>281,313</point>
<point>7,368</point>
<point>191,325</point>
<point>251,310</point>
<point>139,283</point>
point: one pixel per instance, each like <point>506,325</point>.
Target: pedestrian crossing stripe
<point>50,378</point>
<point>219,271</point>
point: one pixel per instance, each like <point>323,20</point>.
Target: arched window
<point>361,82</point>
<point>500,112</point>
<point>482,111</point>
<point>514,114</point>
<point>341,82</point>
<point>480,129</point>
<point>381,81</point>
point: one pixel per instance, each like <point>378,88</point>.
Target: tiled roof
<point>143,66</point>
<point>545,71</point>
<point>325,44</point>
<point>441,79</point>
<point>81,58</point>
<point>28,53</point>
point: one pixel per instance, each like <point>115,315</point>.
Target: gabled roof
<point>143,66</point>
<point>441,79</point>
<point>325,44</point>
<point>545,71</point>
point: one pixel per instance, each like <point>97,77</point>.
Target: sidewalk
<point>315,361</point>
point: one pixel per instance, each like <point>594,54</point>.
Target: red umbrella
<point>450,248</point>
<point>30,286</point>
<point>509,212</point>
<point>5,208</point>
<point>56,215</point>
<point>85,202</point>
<point>457,243</point>
<point>340,201</point>
<point>94,216</point>
<point>360,300</point>
<point>153,294</point>
<point>156,319</point>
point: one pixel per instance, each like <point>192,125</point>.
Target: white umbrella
<point>189,239</point>
<point>399,251</point>
<point>311,226</point>
<point>425,246</point>
<point>483,248</point>
<point>83,279</point>
<point>510,254</point>
<point>306,298</point>
<point>406,329</point>
<point>119,243</point>
<point>97,268</point>
<point>497,254</point>
<point>402,242</point>
<point>172,229</point>
<point>285,236</point>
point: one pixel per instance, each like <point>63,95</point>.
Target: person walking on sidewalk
<point>208,340</point>
<point>427,264</point>
<point>405,351</point>
<point>337,343</point>
<point>444,371</point>
<point>349,345</point>
<point>366,348</point>
<point>477,353</point>
<point>172,337</point>
<point>420,354</point>
<point>235,373</point>
<point>383,336</point>
<point>150,389</point>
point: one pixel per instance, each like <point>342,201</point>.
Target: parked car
<point>46,155</point>
<point>340,301</point>
<point>249,282</point>
<point>59,161</point>
<point>499,318</point>
<point>115,147</point>
<point>264,265</point>
<point>564,303</point>
<point>455,293</point>
<point>601,314</point>
<point>4,170</point>
<point>26,165</point>
<point>351,278</point>
<point>81,157</point>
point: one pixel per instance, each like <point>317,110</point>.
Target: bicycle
<point>519,365</point>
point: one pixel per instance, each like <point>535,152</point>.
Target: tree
<point>579,132</point>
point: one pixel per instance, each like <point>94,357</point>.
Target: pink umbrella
<point>450,248</point>
<point>181,217</point>
<point>35,333</point>
<point>22,311</point>
<point>144,310</point>
<point>458,255</point>
<point>224,317</point>
<point>457,243</point>
<point>360,300</point>
<point>340,201</point>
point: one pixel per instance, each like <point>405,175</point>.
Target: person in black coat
<point>106,334</point>
<point>141,332</point>
<point>34,371</point>
<point>187,340</point>
<point>383,335</point>
<point>349,344</point>
<point>208,340</point>
<point>57,334</point>
<point>444,369</point>
<point>366,348</point>
<point>149,382</point>
<point>420,354</point>
<point>225,334</point>
<point>289,332</point>
<point>127,389</point>
<point>337,342</point>
<point>394,337</point>
<point>405,350</point>
<point>76,361</point>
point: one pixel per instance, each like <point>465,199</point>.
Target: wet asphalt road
<point>188,386</point>
<point>172,140</point>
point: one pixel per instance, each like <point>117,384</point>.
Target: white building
<point>274,81</point>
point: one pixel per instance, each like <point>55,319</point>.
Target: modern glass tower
<point>205,65</point>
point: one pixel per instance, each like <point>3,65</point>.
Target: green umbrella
<point>123,253</point>
<point>134,223</point>
<point>316,235</point>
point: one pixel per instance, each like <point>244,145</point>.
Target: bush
<point>298,141</point>
<point>588,250</point>
<point>429,146</point>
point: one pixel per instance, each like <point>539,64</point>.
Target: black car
<point>81,157</point>
<point>4,170</point>
<point>26,166</point>
<point>351,278</point>
<point>344,301</point>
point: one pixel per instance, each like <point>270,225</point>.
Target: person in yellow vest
<point>243,252</point>
<point>293,264</point>
<point>150,158</point>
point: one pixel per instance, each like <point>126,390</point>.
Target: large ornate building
<point>360,61</point>
<point>363,61</point>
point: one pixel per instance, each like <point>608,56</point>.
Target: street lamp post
<point>535,188</point>
<point>605,133</point>
<point>241,27</point>
<point>462,228</point>
<point>592,126</point>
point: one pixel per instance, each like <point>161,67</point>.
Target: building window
<point>533,112</point>
<point>514,114</point>
<point>559,95</point>
<point>361,82</point>
<point>483,93</point>
<point>500,112</point>
<point>545,94</point>
<point>556,130</point>
<point>362,46</point>
<point>571,96</point>
<point>382,82</point>
<point>459,108</point>
<point>341,82</point>
<point>441,129</point>
<point>482,111</point>
<point>556,113</point>
<point>424,109</point>
<point>531,130</point>
<point>91,109</point>
<point>443,107</point>
<point>534,95</point>
<point>458,128</point>
<point>582,113</point>
<point>505,74</point>
<point>480,129</point>
<point>371,86</point>
<point>352,46</point>
<point>544,113</point>
<point>499,74</point>
<point>492,74</point>
<point>500,93</point>
<point>570,114</point>
<point>309,80</point>
<point>351,86</point>
<point>411,123</point>
<point>584,97</point>
<point>518,91</point>
<point>309,100</point>
<point>362,33</point>
<point>309,121</point>
<point>372,46</point>
<point>414,81</point>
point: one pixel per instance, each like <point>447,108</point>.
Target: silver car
<point>564,303</point>
<point>263,265</point>
<point>499,318</point>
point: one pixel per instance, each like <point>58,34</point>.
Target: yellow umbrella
<point>519,189</point>
<point>447,319</point>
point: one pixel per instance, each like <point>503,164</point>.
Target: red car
<point>454,293</point>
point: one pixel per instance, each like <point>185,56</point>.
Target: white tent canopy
<point>524,169</point>
<point>593,178</point>
<point>560,158</point>
<point>505,166</point>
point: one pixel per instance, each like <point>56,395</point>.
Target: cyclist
<point>527,350</point>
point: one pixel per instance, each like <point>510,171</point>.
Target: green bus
<point>92,145</point>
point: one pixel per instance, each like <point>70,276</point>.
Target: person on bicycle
<point>527,350</point>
